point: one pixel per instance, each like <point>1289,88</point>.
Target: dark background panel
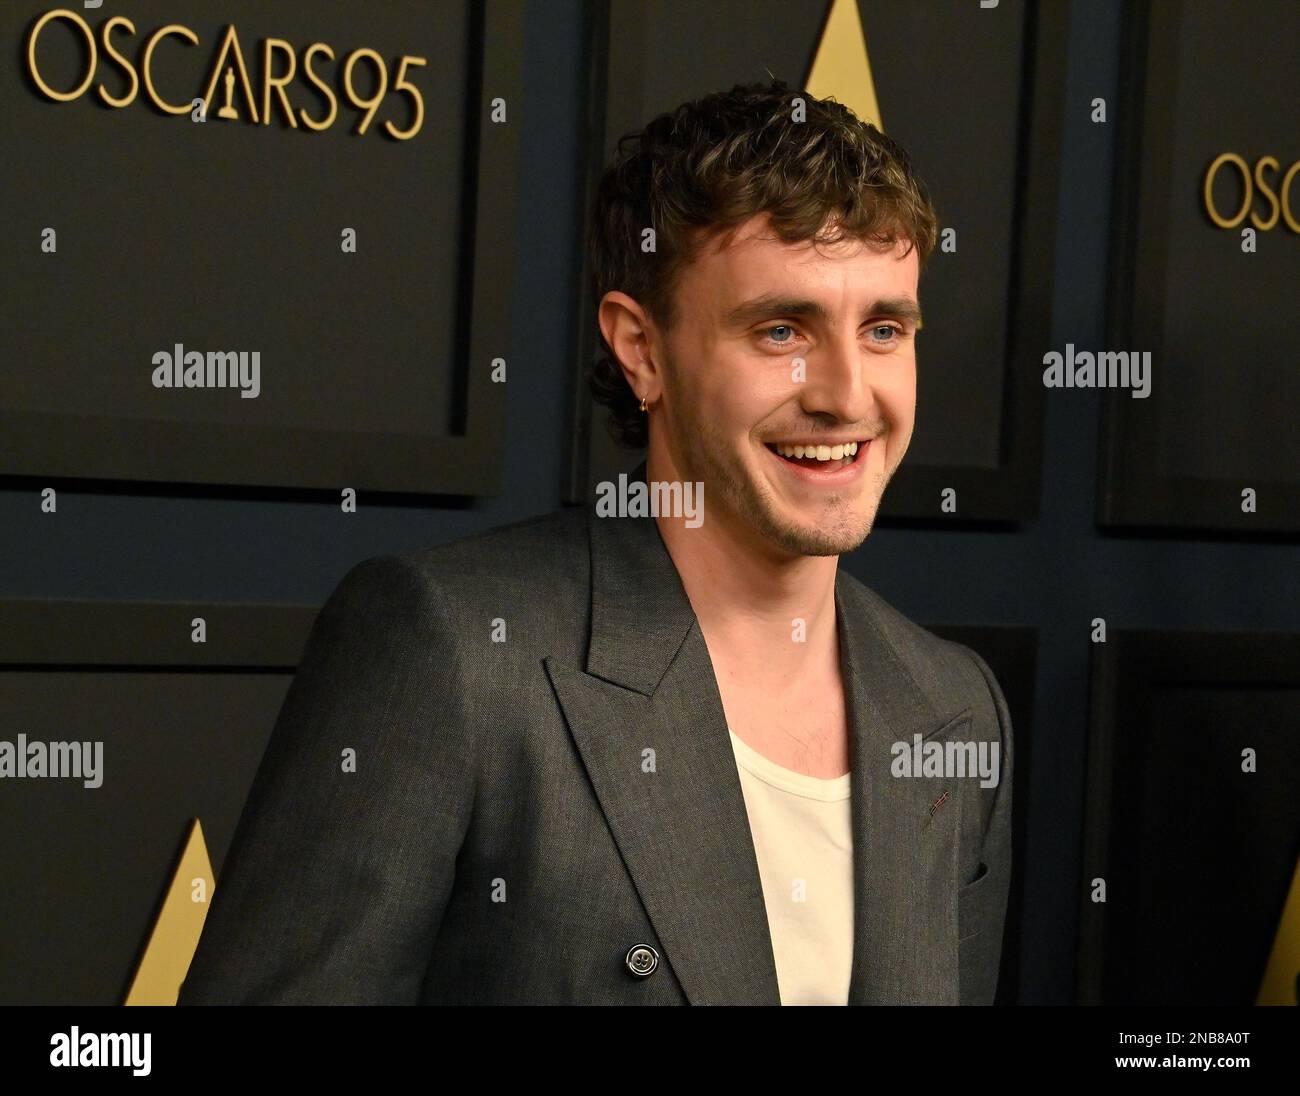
<point>1211,850</point>
<point>1230,319</point>
<point>86,869</point>
<point>226,235</point>
<point>1219,323</point>
<point>1197,855</point>
<point>377,369</point>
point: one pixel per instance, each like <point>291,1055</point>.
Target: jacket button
<point>642,960</point>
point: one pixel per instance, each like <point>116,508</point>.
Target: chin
<point>795,533</point>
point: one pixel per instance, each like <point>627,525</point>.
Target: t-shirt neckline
<point>827,789</point>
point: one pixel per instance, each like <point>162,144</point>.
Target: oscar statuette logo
<point>229,111</point>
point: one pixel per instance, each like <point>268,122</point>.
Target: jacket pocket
<point>967,900</point>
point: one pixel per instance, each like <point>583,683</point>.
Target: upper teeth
<point>821,452</point>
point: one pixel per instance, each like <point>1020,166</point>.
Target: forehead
<point>753,259</point>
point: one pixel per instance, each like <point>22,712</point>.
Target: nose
<point>837,380</point>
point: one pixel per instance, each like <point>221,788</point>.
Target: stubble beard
<point>703,455</point>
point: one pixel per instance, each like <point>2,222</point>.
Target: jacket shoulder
<point>545,547</point>
<point>548,547</point>
<point>524,573</point>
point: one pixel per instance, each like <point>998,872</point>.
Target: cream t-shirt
<point>803,840</point>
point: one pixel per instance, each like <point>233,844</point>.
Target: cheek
<point>733,402</point>
<point>897,398</point>
<point>897,403</point>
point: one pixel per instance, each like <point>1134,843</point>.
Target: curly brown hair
<point>714,163</point>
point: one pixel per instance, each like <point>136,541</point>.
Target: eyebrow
<point>900,308</point>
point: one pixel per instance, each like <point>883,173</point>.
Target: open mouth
<point>820,457</point>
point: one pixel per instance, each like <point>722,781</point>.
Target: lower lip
<point>835,473</point>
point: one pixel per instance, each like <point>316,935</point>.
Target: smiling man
<point>654,759</point>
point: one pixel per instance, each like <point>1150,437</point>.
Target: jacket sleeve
<point>986,905</point>
<point>339,870</point>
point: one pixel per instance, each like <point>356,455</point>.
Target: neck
<point>749,595</point>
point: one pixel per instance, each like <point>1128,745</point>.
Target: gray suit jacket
<point>500,840</point>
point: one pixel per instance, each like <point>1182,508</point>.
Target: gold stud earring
<point>643,406</point>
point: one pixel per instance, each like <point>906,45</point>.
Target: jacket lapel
<point>648,722</point>
<point>647,719</point>
<point>905,830</point>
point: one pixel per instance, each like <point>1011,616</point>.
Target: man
<point>612,759</point>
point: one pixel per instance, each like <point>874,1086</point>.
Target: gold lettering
<point>270,80</point>
<point>146,62</point>
<point>1240,164</point>
<point>61,13</point>
<point>368,105</point>
<point>402,84</point>
<point>230,68</point>
<point>1287,215</point>
<point>1264,163</point>
<point>1260,165</point>
<point>232,43</point>
<point>325,89</point>
<point>104,32</point>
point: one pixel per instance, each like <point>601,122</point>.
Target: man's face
<point>747,316</point>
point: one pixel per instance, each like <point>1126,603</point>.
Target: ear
<point>632,336</point>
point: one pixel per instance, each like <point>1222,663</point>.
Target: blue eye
<point>771,334</point>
